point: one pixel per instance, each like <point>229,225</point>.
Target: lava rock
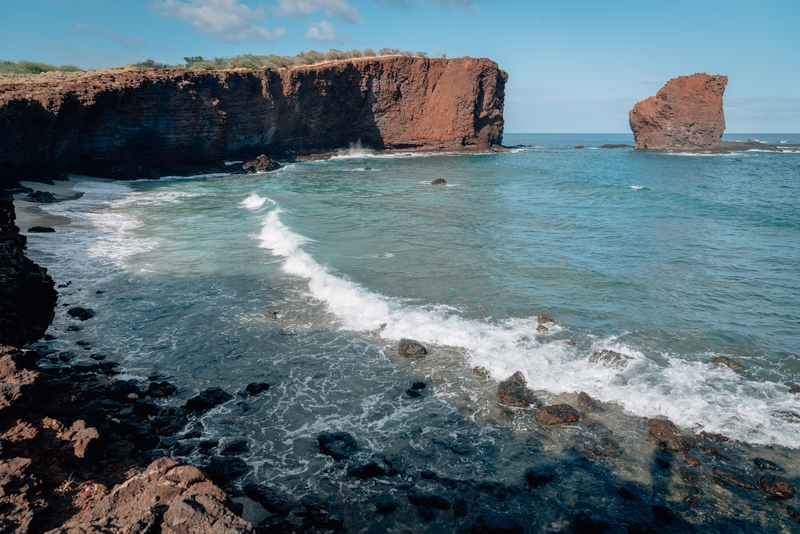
<point>728,362</point>
<point>206,400</point>
<point>512,394</point>
<point>41,230</point>
<point>161,389</point>
<point>397,464</point>
<point>557,414</point>
<point>369,470</point>
<point>710,436</point>
<point>270,499</point>
<point>489,522</point>
<point>83,314</point>
<point>320,514</point>
<point>261,164</point>
<point>418,386</point>
<point>42,197</point>
<point>588,404</point>
<point>542,329</point>
<point>386,504</point>
<point>794,514</point>
<point>589,524</point>
<point>776,487</point>
<point>538,476</point>
<point>426,500</point>
<point>604,448</point>
<point>610,358</point>
<point>409,347</point>
<point>733,478</point>
<point>543,319</point>
<point>439,181</point>
<point>224,470</point>
<point>237,446</point>
<point>256,388</point>
<point>667,434</point>
<point>337,445</point>
<point>413,393</point>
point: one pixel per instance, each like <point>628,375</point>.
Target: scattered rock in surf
<point>439,181</point>
<point>368,470</point>
<point>409,347</point>
<point>287,332</point>
<point>460,508</point>
<point>256,388</point>
<point>83,314</point>
<point>158,390</point>
<point>397,465</point>
<point>419,385</point>
<point>710,450</point>
<point>386,504</point>
<point>733,478</point>
<point>320,514</point>
<point>415,389</point>
<point>795,389</point>
<point>663,515</point>
<point>610,358</point>
<point>41,230</point>
<point>588,404</point>
<point>557,414</point>
<point>543,319</point>
<point>571,343</point>
<point>775,486</point>
<point>666,433</point>
<point>787,415</point>
<point>762,463</point>
<point>367,168</point>
<point>728,362</point>
<point>337,445</point>
<point>627,494</point>
<point>579,146</point>
<point>224,470</point>
<point>605,447</point>
<point>481,371</point>
<point>489,522</point>
<point>83,344</point>
<point>710,436</point>
<point>273,314</point>
<point>42,197</point>
<point>270,499</point>
<point>261,164</point>
<point>691,460</point>
<point>512,393</point>
<point>538,476</point>
<point>519,378</point>
<point>206,400</point>
<point>73,328</point>
<point>794,514</point>
<point>429,501</point>
<point>237,446</point>
<point>413,393</point>
<point>612,145</point>
<point>542,329</point>
<point>687,475</point>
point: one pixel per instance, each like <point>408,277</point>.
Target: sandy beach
<point>30,214</point>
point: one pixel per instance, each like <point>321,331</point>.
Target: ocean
<point>307,278</point>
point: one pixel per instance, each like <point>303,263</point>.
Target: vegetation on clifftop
<point>33,67</point>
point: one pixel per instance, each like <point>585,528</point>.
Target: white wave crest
<point>253,202</point>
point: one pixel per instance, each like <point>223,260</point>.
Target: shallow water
<point>669,259</point>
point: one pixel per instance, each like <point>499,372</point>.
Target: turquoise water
<point>669,259</point>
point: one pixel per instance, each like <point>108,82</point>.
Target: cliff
<point>140,124</point>
<point>686,114</point>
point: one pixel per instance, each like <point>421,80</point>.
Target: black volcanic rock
<point>207,399</point>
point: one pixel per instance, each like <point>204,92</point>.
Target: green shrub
<point>33,67</point>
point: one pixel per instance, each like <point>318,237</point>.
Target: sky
<point>574,67</point>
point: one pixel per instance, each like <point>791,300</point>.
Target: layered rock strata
<point>147,123</point>
<point>685,114</point>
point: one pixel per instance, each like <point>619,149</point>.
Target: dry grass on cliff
<point>59,76</point>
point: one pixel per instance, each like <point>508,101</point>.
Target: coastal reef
<point>132,124</point>
<point>685,114</point>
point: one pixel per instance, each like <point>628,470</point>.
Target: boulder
<point>610,358</point>
<point>588,404</point>
<point>224,470</point>
<point>733,478</point>
<point>761,463</point>
<point>256,388</point>
<point>337,445</point>
<point>728,362</point>
<point>41,230</point>
<point>667,434</point>
<point>206,400</point>
<point>261,164</point>
<point>386,504</point>
<point>511,393</point>
<point>579,146</point>
<point>270,499</point>
<point>42,197</point>
<point>409,347</point>
<point>83,314</point>
<point>427,500</point>
<point>161,389</point>
<point>685,114</point>
<point>439,181</point>
<point>557,414</point>
<point>776,487</point>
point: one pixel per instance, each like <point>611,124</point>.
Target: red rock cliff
<point>134,124</point>
<point>686,114</point>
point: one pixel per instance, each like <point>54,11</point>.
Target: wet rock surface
<point>511,393</point>
<point>337,445</point>
<point>610,358</point>
<point>207,399</point>
<point>261,164</point>
<point>409,347</point>
<point>557,414</point>
<point>439,181</point>
<point>667,434</point>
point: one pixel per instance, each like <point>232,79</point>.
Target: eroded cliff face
<point>686,114</point>
<point>137,124</point>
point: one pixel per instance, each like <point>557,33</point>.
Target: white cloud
<point>463,5</point>
<point>229,21</point>
<point>325,32</point>
<point>128,42</point>
<point>340,9</point>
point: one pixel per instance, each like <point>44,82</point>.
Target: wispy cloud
<point>325,32</point>
<point>341,9</point>
<point>461,5</point>
<point>128,42</point>
<point>229,21</point>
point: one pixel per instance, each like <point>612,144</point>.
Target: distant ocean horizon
<point>307,278</point>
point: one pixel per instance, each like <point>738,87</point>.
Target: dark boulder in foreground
<point>41,230</point>
<point>270,499</point>
<point>439,181</point>
<point>557,414</point>
<point>261,164</point>
<point>83,314</point>
<point>337,445</point>
<point>206,400</point>
<point>409,347</point>
<point>224,470</point>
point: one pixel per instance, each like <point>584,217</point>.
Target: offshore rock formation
<point>27,297</point>
<point>131,124</point>
<point>686,114</point>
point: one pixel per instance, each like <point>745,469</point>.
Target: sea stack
<point>686,114</point>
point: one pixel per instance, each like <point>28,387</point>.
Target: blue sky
<point>574,66</point>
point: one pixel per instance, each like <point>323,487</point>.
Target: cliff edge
<point>685,114</point>
<point>134,124</point>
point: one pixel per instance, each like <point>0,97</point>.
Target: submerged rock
<point>761,463</point>
<point>386,504</point>
<point>538,476</point>
<point>728,362</point>
<point>557,414</point>
<point>160,389</point>
<point>542,329</point>
<point>588,404</point>
<point>579,146</point>
<point>337,445</point>
<point>256,388</point>
<point>41,230</point>
<point>511,393</point>
<point>429,501</point>
<point>439,181</point>
<point>261,164</point>
<point>83,314</point>
<point>610,358</point>
<point>666,433</point>
<point>795,389</point>
<point>489,522</point>
<point>481,372</point>
<point>270,499</point>
<point>733,478</point>
<point>775,486</point>
<point>543,319</point>
<point>206,400</point>
<point>409,347</point>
